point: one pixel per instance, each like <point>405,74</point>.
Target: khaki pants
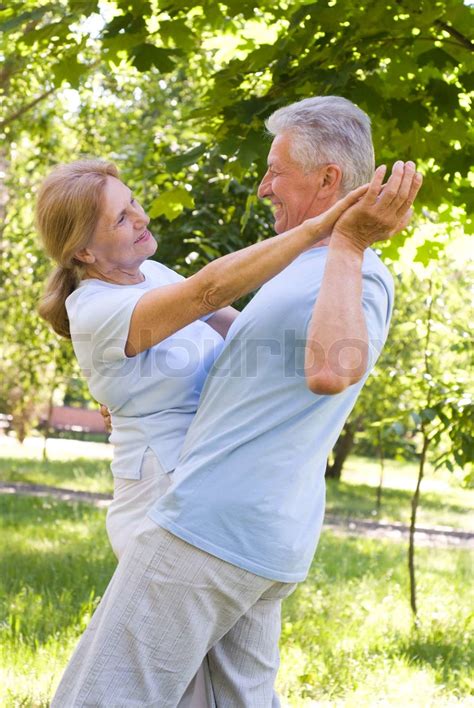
<point>132,500</point>
<point>167,606</point>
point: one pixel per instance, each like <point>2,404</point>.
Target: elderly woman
<point>144,336</point>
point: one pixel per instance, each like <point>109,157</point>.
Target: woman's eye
<point>121,220</point>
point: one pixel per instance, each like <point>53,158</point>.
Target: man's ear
<point>331,180</point>
<point>84,256</point>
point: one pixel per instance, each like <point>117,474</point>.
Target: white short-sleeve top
<point>153,396</point>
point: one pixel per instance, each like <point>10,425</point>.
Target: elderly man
<point>207,571</point>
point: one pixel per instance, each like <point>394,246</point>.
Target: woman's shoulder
<point>94,301</point>
<point>159,274</point>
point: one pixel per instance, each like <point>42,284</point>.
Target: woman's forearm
<point>163,311</point>
<point>224,280</point>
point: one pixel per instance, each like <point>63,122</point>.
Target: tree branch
<point>26,108</point>
<point>465,41</point>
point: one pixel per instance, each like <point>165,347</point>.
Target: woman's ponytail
<point>52,307</point>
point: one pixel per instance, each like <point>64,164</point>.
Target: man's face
<point>293,193</point>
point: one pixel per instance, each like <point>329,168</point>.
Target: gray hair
<point>328,129</point>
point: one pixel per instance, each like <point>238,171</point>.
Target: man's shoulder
<point>374,266</point>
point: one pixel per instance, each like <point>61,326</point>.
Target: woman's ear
<point>84,256</point>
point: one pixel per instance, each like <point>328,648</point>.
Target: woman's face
<point>121,241</point>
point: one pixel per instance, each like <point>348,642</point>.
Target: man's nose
<point>264,188</point>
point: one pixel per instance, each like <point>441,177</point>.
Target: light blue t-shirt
<point>153,396</point>
<point>249,485</point>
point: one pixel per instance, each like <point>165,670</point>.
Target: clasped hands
<point>372,212</point>
<point>383,211</point>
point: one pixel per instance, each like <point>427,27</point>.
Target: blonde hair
<point>67,211</point>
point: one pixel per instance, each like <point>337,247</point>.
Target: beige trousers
<point>132,499</point>
<point>167,606</point>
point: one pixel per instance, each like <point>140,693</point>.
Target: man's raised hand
<point>383,210</point>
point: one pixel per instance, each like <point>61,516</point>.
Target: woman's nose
<point>141,217</point>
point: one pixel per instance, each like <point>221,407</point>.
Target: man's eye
<point>121,220</point>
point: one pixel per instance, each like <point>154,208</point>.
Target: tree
<point>411,68</point>
<point>148,85</point>
<point>445,413</point>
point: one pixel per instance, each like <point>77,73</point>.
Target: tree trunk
<point>382,470</point>
<point>47,424</point>
<point>426,441</point>
<point>341,450</point>
<point>414,508</point>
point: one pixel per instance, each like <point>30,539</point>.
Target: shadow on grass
<point>18,511</point>
<point>352,614</point>
<point>350,500</point>
<point>447,653</point>
<point>54,472</point>
<point>55,565</point>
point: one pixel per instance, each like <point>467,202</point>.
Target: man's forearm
<point>337,340</point>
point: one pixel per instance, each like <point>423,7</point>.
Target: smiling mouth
<point>144,235</point>
<point>276,208</point>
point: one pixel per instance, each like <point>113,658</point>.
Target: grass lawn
<point>72,464</point>
<point>443,501</point>
<point>347,636</point>
<point>79,474</point>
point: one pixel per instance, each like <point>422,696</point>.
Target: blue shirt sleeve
<point>377,303</point>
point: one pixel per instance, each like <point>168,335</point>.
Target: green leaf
<point>70,70</point>
<point>177,162</point>
<point>365,96</point>
<point>126,23</point>
<point>459,161</point>
<point>436,56</point>
<point>147,55</point>
<point>30,16</point>
<point>428,415</point>
<point>406,113</point>
<point>252,147</point>
<point>177,31</point>
<point>45,34</point>
<point>428,251</point>
<point>84,7</point>
<point>171,203</point>
<point>446,96</point>
<point>249,205</point>
<point>467,80</point>
<point>120,42</point>
<point>391,248</point>
<point>261,57</point>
